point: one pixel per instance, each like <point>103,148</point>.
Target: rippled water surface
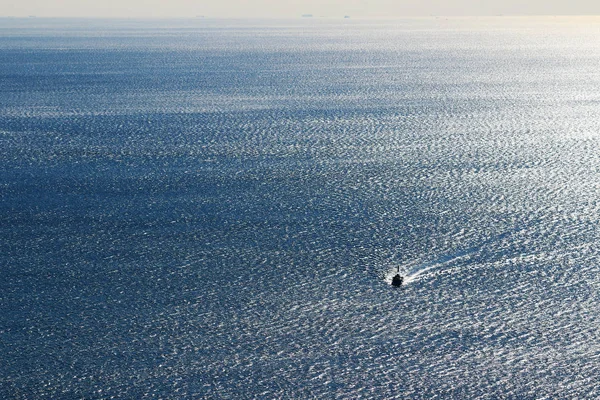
<point>214,209</point>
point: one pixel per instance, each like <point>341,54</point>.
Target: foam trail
<point>415,270</point>
<point>418,270</point>
<point>426,267</point>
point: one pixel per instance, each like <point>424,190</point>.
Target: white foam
<point>418,270</point>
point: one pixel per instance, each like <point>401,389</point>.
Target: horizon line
<point>301,16</point>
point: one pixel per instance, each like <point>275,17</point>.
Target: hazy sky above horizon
<point>292,8</point>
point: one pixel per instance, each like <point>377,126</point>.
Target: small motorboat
<point>397,280</point>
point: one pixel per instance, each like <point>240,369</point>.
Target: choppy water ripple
<point>214,209</point>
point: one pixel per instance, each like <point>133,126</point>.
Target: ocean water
<point>215,208</point>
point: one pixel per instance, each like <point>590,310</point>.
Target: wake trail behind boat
<point>416,269</point>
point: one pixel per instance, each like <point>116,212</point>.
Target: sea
<point>214,208</point>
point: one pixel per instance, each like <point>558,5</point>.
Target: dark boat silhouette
<point>397,280</point>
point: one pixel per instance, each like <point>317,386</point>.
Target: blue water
<point>215,208</point>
